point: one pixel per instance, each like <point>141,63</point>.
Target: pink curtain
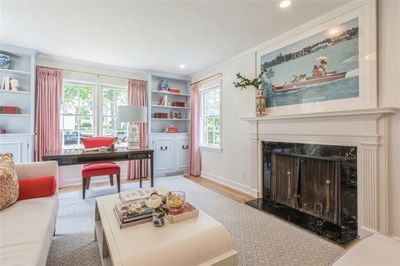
<point>195,159</point>
<point>137,95</point>
<point>48,104</point>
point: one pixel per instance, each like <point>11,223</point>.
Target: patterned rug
<point>259,238</point>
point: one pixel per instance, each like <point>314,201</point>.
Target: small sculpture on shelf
<point>4,61</point>
<point>164,85</point>
<point>14,84</point>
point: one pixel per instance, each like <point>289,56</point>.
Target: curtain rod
<point>90,73</point>
<point>207,78</point>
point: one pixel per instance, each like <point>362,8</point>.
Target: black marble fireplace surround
<point>313,186</point>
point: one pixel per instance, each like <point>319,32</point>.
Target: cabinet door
<point>183,152</point>
<point>163,154</point>
<point>17,146</point>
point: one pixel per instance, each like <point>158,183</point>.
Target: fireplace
<point>313,186</point>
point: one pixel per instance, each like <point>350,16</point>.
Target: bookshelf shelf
<point>169,107</point>
<point>169,93</point>
<point>14,71</point>
<point>16,92</point>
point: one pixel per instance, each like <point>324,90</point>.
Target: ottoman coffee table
<point>198,241</point>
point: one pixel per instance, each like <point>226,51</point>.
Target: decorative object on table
<point>171,129</point>
<point>176,115</point>
<point>4,61</point>
<point>132,114</point>
<point>155,202</point>
<point>164,85</point>
<point>14,84</point>
<point>160,115</point>
<point>163,100</point>
<point>5,83</point>
<point>330,66</point>
<point>176,201</point>
<point>178,104</point>
<point>243,83</point>
<point>188,211</point>
<point>10,110</point>
<point>3,131</point>
<point>175,90</point>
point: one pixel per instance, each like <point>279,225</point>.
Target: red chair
<point>99,169</point>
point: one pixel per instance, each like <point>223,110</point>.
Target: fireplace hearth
<point>313,186</point>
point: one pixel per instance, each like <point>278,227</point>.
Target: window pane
<point>107,100</point>
<point>86,96</point>
<point>211,120</point>
<point>108,125</point>
<point>70,98</point>
<point>70,138</point>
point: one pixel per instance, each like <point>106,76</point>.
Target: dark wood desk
<point>80,156</point>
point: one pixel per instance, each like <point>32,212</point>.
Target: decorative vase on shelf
<point>260,103</point>
<point>158,218</point>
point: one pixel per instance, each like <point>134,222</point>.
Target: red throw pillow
<point>37,187</point>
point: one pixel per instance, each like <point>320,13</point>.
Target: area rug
<point>259,238</point>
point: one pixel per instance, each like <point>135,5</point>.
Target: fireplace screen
<point>307,183</point>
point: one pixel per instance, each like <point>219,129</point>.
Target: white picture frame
<point>365,11</point>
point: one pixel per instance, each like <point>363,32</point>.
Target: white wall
<point>231,166</point>
<point>72,174</point>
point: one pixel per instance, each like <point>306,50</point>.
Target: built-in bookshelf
<point>19,128</point>
<point>157,105</point>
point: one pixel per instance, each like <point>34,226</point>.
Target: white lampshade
<point>132,113</point>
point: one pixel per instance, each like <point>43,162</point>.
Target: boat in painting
<point>304,81</point>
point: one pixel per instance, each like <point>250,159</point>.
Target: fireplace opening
<point>313,186</point>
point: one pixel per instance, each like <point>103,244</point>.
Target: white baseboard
<point>226,182</point>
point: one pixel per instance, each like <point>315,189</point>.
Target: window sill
<point>211,148</point>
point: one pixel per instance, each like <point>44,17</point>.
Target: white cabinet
<point>171,153</point>
<point>183,152</point>
<point>20,146</point>
<point>163,154</point>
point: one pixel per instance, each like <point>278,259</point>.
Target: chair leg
<point>112,180</point>
<point>118,183</point>
<point>83,187</point>
<point>88,183</point>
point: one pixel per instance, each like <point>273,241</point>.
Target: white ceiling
<point>149,34</point>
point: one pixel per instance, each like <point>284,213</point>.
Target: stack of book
<point>9,110</point>
<point>132,213</point>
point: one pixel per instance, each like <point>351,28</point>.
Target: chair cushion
<point>37,187</point>
<point>97,169</point>
<point>8,181</point>
<point>97,142</point>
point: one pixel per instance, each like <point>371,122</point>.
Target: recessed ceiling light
<point>285,3</point>
<point>182,66</point>
<point>333,31</point>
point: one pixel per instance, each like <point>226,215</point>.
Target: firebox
<point>313,186</point>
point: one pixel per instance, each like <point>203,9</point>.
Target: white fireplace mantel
<point>367,129</point>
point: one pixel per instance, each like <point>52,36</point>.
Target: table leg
<point>151,171</point>
<point>140,172</point>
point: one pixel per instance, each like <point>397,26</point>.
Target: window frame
<point>97,106</point>
<point>216,84</point>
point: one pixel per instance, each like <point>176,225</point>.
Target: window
<point>87,111</point>
<point>111,98</point>
<point>210,117</point>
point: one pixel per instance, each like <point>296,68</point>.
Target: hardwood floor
<point>224,190</point>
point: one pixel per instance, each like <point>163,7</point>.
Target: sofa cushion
<point>8,181</point>
<point>26,231</point>
<point>37,187</point>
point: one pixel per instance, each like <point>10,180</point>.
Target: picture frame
<point>365,96</point>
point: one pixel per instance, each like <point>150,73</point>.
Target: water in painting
<point>319,68</point>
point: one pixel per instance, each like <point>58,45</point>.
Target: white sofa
<point>27,226</point>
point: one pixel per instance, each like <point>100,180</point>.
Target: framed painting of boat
<point>325,65</point>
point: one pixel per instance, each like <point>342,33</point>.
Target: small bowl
<point>176,201</point>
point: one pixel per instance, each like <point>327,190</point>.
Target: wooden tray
<point>188,212</point>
